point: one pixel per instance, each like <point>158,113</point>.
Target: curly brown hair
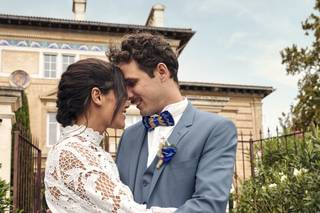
<point>148,51</point>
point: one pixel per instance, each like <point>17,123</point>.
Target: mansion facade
<point>35,51</point>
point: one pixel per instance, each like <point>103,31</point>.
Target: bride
<point>80,176</point>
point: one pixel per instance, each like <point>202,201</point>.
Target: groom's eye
<point>131,82</point>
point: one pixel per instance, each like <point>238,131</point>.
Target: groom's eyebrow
<point>131,82</point>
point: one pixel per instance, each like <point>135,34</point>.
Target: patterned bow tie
<point>163,119</point>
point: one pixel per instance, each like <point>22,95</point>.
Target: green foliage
<point>5,201</point>
<point>287,178</point>
<point>22,114</point>
<point>306,62</point>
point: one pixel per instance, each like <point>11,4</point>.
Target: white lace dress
<point>81,177</point>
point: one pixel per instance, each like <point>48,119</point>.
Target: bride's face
<point>119,119</point>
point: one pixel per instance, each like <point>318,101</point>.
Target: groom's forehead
<point>130,69</point>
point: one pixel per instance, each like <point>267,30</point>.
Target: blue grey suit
<point>197,179</point>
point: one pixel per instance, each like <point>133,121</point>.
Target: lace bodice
<point>81,177</point>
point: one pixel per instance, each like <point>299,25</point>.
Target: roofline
<point>182,34</point>
<point>235,88</point>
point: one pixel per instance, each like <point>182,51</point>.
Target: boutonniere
<point>165,153</point>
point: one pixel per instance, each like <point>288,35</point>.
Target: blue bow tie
<point>163,119</point>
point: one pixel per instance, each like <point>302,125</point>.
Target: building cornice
<point>226,88</point>
<point>11,96</point>
<point>182,34</point>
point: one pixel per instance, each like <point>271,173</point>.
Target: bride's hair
<point>76,83</point>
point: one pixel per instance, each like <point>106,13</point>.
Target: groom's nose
<point>130,93</point>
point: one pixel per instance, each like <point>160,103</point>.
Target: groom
<point>199,175</point>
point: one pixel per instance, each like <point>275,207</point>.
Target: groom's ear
<point>163,72</point>
<point>96,96</point>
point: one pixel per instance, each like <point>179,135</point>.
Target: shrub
<point>287,178</point>
<point>5,201</point>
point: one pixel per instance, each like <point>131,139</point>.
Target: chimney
<point>156,16</point>
<point>79,9</point>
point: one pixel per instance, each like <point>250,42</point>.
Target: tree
<point>306,62</point>
<point>22,114</point>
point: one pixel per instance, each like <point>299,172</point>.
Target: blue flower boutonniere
<point>165,153</point>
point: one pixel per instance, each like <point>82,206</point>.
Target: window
<point>66,61</point>
<point>53,129</point>
<point>50,65</point>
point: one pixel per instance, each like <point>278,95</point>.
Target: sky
<point>236,42</point>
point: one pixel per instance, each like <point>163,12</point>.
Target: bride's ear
<point>96,96</point>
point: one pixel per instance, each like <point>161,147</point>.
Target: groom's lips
<point>138,104</point>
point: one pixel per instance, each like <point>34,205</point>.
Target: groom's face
<point>143,91</point>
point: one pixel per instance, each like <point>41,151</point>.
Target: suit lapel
<point>177,134</point>
<point>136,150</point>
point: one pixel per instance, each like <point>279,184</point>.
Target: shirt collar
<point>177,108</point>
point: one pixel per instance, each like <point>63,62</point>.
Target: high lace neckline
<point>89,134</point>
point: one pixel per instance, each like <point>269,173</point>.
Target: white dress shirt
<point>154,137</point>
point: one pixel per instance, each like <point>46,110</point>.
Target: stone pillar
<point>256,106</point>
<point>10,101</point>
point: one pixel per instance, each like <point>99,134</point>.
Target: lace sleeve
<point>93,182</point>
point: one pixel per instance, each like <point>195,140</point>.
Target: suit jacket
<point>199,177</point>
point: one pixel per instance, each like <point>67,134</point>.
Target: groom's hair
<point>148,51</point>
<point>76,83</point>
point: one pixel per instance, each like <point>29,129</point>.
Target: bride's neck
<point>91,123</point>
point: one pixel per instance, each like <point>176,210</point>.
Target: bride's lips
<point>126,106</point>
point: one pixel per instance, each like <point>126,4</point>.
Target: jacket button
<point>145,183</point>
